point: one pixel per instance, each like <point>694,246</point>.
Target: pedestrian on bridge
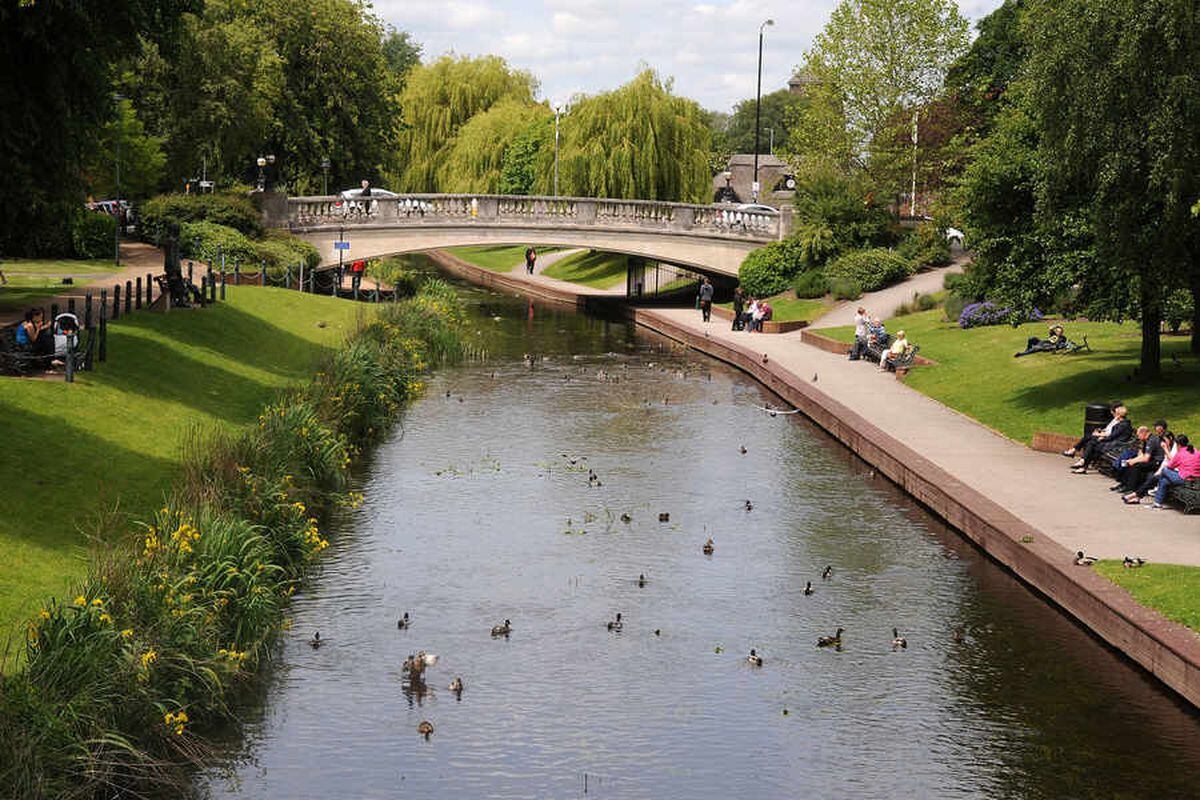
<point>530,259</point>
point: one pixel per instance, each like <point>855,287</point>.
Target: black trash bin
<point>1097,415</point>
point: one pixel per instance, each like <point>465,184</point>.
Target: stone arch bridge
<point>708,239</point>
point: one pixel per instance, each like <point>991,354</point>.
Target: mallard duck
<point>1132,563</point>
<point>403,623</point>
<point>831,641</point>
<point>708,547</point>
<point>425,728</point>
<point>828,573</point>
<point>808,589</point>
<point>502,630</point>
<point>456,686</point>
<point>742,449</point>
<point>658,631</point>
<point>627,518</point>
<point>898,641</point>
<point>754,659</point>
<point>663,516</point>
<point>315,641</point>
<point>749,506</point>
<point>616,624</point>
<point>641,581</point>
<point>1083,561</point>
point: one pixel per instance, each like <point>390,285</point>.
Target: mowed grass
<point>109,445</point>
<point>789,308</point>
<point>30,279</point>
<point>593,268</point>
<point>977,375</point>
<point>1170,589</point>
<point>498,258</point>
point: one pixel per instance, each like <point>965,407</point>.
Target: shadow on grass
<point>1177,388</point>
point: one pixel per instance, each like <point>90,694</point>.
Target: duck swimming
<point>754,659</point>
<point>456,686</point>
<point>315,641</point>
<point>616,624</point>
<point>828,573</point>
<point>808,589</point>
<point>641,581</point>
<point>708,547</point>
<point>502,630</point>
<point>403,623</point>
<point>831,641</point>
<point>425,728</point>
<point>898,641</point>
<point>749,506</point>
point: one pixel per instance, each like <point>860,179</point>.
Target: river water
<point>475,513</point>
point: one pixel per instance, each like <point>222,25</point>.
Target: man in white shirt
<point>860,333</point>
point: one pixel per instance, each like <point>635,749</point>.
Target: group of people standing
<point>749,313</point>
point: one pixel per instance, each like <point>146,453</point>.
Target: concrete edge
<point>1167,650</point>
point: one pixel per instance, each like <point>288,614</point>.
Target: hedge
<point>870,269</point>
<point>93,235</point>
<point>769,269</point>
<point>208,241</point>
<point>159,215</point>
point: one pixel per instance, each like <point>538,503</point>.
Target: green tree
<point>876,59</point>
<point>475,159</point>
<point>777,112</point>
<point>438,100</point>
<point>142,158</point>
<point>638,141</point>
<point>518,169</point>
<point>981,77</point>
<point>402,53</point>
<point>1119,111</point>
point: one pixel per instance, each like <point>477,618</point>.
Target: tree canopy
<point>777,111</point>
<point>476,157</point>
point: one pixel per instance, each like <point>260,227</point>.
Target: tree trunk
<point>1151,366</point>
<point>1196,313</point>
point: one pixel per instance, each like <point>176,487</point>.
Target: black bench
<point>877,347</point>
<point>1186,496</point>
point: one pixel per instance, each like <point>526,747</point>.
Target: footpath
<point>1024,508</point>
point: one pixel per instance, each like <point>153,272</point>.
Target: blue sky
<point>708,46</point>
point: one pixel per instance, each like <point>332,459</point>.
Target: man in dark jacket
<point>1116,433</point>
<point>1131,472</point>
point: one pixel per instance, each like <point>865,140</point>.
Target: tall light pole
<point>556,113</point>
<point>117,234</point>
<point>757,105</point>
<point>325,165</point>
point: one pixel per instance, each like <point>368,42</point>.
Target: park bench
<point>1186,496</point>
<point>17,360</point>
<point>876,349</point>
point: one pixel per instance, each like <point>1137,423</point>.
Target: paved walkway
<point>883,304</point>
<point>1076,511</point>
<point>544,261</point>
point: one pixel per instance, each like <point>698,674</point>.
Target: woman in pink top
<point>1185,465</point>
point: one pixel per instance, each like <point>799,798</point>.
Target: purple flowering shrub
<point>977,315</point>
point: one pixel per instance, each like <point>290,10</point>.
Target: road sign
<point>341,245</point>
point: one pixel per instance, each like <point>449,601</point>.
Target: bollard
<point>222,284</point>
<point>190,279</point>
<point>87,310</point>
<point>116,310</point>
<point>70,357</point>
<point>237,275</point>
<point>212,285</point>
<point>128,299</point>
<point>203,292</point>
<point>102,354</point>
<point>149,290</point>
<point>376,291</point>
<point>333,287</point>
<point>287,278</point>
<point>137,303</point>
<point>53,315</point>
<point>70,305</point>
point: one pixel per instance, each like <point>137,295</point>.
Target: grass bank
<point>789,308</point>
<point>31,279</point>
<point>110,443</point>
<point>1170,589</point>
<point>592,268</point>
<point>497,258</point>
<point>123,683</point>
<point>977,374</point>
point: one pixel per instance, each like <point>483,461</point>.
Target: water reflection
<point>484,508</point>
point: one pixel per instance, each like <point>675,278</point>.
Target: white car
<point>354,194</point>
<point>757,207</point>
<point>955,235</point>
<point>352,200</point>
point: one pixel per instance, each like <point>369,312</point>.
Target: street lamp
<point>325,165</point>
<point>262,173</point>
<point>757,104</point>
<point>557,111</point>
<point>117,234</point>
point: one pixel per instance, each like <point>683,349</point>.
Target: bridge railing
<point>526,211</point>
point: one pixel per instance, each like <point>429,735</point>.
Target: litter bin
<point>1097,415</point>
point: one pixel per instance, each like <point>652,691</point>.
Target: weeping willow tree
<point>438,99</point>
<point>638,141</point>
<point>475,159</point>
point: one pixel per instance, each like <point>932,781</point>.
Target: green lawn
<point>109,444</point>
<point>30,279</point>
<point>789,308</point>
<point>498,258</point>
<point>1170,589</point>
<point>977,375</point>
<point>592,268</point>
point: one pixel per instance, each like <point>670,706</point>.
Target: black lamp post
<point>117,235</point>
<point>262,173</point>
<point>757,104</point>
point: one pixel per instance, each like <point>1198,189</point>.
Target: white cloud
<point>710,48</point>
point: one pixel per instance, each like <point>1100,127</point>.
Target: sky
<point>709,47</point>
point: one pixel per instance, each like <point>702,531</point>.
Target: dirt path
<point>883,304</point>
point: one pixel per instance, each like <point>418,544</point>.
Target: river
<point>479,508</point>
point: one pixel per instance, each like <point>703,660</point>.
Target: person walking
<point>356,274</point>
<point>739,307</point>
<point>530,259</point>
<point>706,296</point>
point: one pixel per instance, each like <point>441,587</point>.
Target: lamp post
<point>557,110</point>
<point>758,104</point>
<point>117,233</point>
<point>262,173</point>
<point>325,165</point>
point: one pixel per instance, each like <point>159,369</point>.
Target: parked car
<point>954,235</point>
<point>757,207</point>
<point>350,200</point>
<point>119,209</point>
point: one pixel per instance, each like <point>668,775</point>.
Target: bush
<point>769,269</point>
<point>919,302</point>
<point>925,247</point>
<point>870,269</point>
<point>811,284</point>
<point>953,306</point>
<point>976,315</point>
<point>207,241</point>
<point>159,215</point>
<point>282,251</point>
<point>395,271</point>
<point>1178,309</point>
<point>93,234</point>
<point>845,289</point>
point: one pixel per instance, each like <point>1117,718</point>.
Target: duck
<point>315,641</point>
<point>425,728</point>
<point>658,631</point>
<point>749,506</point>
<point>627,518</point>
<point>708,547</point>
<point>1132,563</point>
<point>808,589</point>
<point>898,641</point>
<point>616,624</point>
<point>641,581</point>
<point>831,641</point>
<point>403,623</point>
<point>828,573</point>
<point>456,686</point>
<point>502,630</point>
<point>664,516</point>
<point>754,659</point>
<point>959,636</point>
<point>1083,561</point>
<point>742,449</point>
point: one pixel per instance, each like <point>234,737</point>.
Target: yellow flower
<point>44,614</point>
<point>148,658</point>
<point>97,602</point>
<point>127,633</point>
<point>81,600</point>
<point>105,618</point>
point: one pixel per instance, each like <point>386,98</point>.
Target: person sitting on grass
<point>1055,340</point>
<point>898,349</point>
<point>34,337</point>
<point>1145,459</point>
<point>1117,430</point>
<point>1179,470</point>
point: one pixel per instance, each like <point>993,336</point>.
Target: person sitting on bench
<point>34,337</point>
<point>1117,431</point>
<point>897,351</point>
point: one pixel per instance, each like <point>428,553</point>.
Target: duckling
<point>831,641</point>
<point>1132,563</point>
<point>898,641</point>
<point>808,589</point>
<point>616,624</point>
<point>627,518</point>
<point>403,623</point>
<point>754,659</point>
<point>708,547</point>
<point>641,581</point>
<point>456,686</point>
<point>742,449</point>
<point>502,630</point>
<point>1083,561</point>
<point>828,573</point>
<point>315,641</point>
<point>658,631</point>
<point>425,729</point>
<point>749,506</point>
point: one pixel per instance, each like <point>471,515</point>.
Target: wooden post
<point>376,291</point>
<point>222,284</point>
<point>149,289</point>
<point>203,292</point>
<point>128,299</point>
<point>212,285</point>
<point>137,303</point>
<point>237,275</point>
<point>87,310</point>
<point>70,305</point>
<point>190,265</point>
<point>53,315</point>
<point>287,278</point>
<point>262,274</point>
<point>71,339</point>
<point>116,311</point>
<point>102,354</point>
